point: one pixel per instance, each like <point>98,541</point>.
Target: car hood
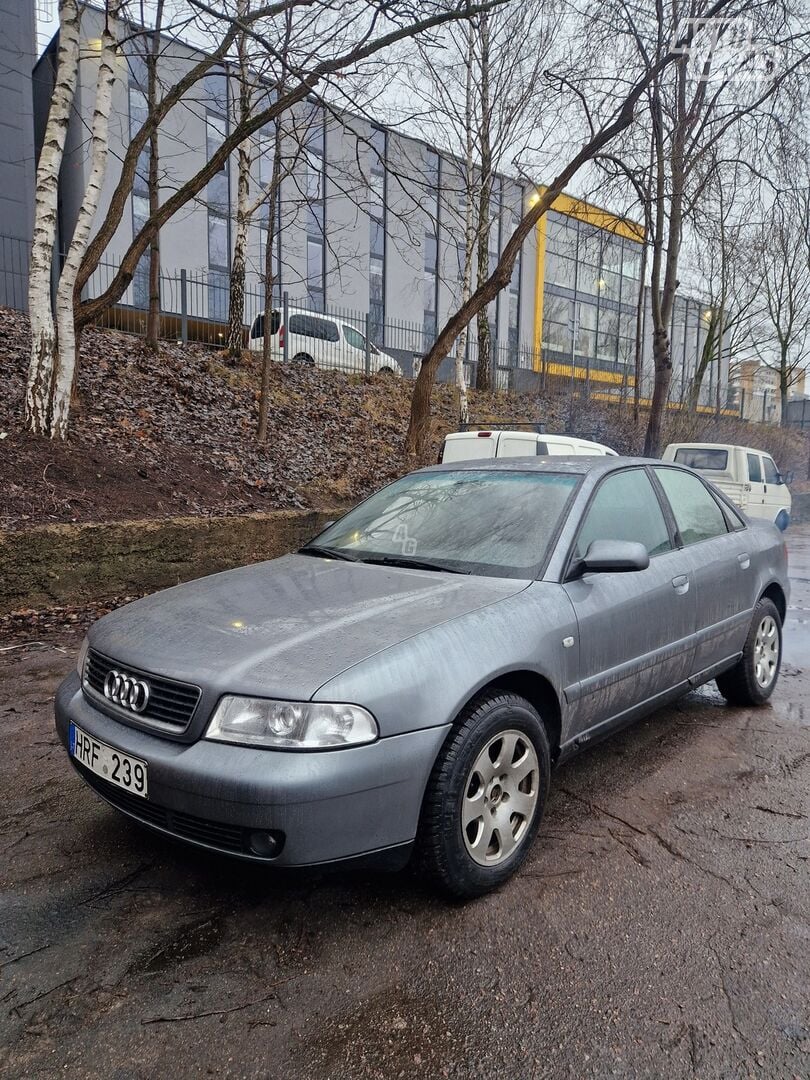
<point>285,627</point>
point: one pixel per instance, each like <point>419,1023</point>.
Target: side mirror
<point>615,557</point>
<point>787,478</point>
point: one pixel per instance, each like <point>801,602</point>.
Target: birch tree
<point>236,306</point>
<point>65,328</point>
<point>39,390</point>
<point>152,56</point>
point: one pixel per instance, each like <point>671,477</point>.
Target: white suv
<point>325,341</point>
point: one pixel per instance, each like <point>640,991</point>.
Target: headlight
<point>290,724</point>
<point>81,657</point>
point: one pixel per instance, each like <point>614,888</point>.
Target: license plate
<point>126,772</point>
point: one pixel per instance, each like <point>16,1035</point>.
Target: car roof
<point>718,446</point>
<point>564,463</point>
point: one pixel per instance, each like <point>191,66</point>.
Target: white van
<point>749,477</point>
<point>324,341</point>
<point>472,445</point>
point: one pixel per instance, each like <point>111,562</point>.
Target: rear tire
<point>303,358</point>
<point>485,797</point>
<point>752,679</point>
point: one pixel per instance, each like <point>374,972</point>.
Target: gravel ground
<point>660,928</point>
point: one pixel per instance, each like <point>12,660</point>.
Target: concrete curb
<point>69,564</point>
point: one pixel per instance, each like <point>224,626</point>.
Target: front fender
<point>426,680</point>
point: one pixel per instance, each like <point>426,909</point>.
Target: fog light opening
<point>266,844</point>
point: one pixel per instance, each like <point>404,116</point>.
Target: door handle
<point>744,559</point>
<point>681,583</point>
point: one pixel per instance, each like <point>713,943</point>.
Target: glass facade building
<point>591,265</point>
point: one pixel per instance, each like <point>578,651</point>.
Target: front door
<point>636,630</point>
<point>776,493</point>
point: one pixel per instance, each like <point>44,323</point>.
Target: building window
<point>218,265</point>
<point>376,238</point>
<point>430,280</point>
<point>138,113</point>
<point>315,191</point>
<point>315,290</point>
<point>513,328</point>
<point>218,198</point>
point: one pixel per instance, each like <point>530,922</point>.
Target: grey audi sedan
<point>404,684</point>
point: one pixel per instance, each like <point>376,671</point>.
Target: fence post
<point>742,402</point>
<point>285,303</point>
<point>368,343</point>
<point>183,308</point>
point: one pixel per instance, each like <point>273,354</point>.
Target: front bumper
<point>361,802</point>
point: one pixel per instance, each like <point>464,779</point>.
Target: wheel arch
<point>776,594</point>
<point>537,690</point>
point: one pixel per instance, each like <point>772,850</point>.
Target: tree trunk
<point>483,371</point>
<point>706,356</point>
<point>236,301</point>
<point>269,283</point>
<point>638,355</point>
<point>153,314</point>
<point>66,331</point>
<point>43,333</point>
<point>469,232</point>
<point>236,304</point>
<point>663,377</point>
<point>784,385</point>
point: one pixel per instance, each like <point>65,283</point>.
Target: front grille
<point>216,834</point>
<point>171,704</point>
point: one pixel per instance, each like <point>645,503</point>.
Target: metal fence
<point>194,308</point>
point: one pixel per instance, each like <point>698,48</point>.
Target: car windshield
<point>471,521</point>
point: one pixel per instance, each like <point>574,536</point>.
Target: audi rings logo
<point>126,691</point>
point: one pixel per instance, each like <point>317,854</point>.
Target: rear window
<point>697,458</point>
<point>310,326</point>
<point>257,330</point>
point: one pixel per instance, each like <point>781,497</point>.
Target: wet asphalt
<point>660,928</point>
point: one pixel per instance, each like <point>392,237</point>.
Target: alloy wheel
<point>766,651</point>
<point>500,797</point>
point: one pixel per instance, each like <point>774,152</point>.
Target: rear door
<point>716,549</point>
<point>636,630</point>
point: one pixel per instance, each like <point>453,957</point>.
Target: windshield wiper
<point>413,564</point>
<point>328,553</point>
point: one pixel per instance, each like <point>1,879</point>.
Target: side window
<point>771,471</point>
<point>309,326</point>
<point>257,330</point>
<point>696,511</point>
<point>754,469</point>
<point>354,338</point>
<point>625,507</point>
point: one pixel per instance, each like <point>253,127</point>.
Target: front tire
<point>485,796</point>
<point>752,679</point>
